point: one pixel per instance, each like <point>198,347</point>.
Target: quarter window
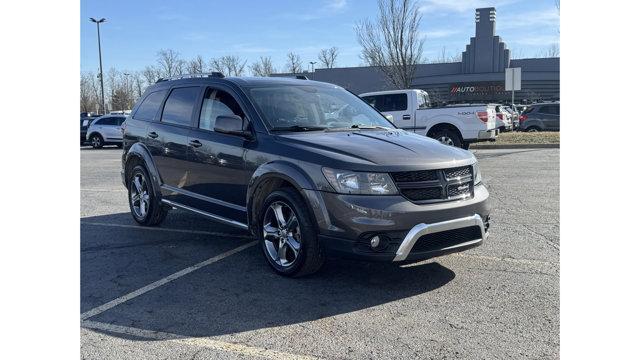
<point>217,103</point>
<point>179,106</point>
<point>149,107</point>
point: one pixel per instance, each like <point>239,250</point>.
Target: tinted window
<point>390,102</point>
<point>423,100</point>
<point>545,110</point>
<point>179,106</point>
<point>217,103</point>
<point>107,121</point>
<point>149,107</point>
<point>554,109</point>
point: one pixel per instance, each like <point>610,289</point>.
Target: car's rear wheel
<point>448,137</point>
<point>145,206</point>
<point>533,129</point>
<point>96,141</point>
<point>287,237</point>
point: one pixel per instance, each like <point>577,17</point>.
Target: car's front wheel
<point>96,141</point>
<point>287,237</point>
<point>145,206</point>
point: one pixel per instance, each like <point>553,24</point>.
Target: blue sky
<point>136,30</point>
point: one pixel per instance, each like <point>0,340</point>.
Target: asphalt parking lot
<point>194,289</point>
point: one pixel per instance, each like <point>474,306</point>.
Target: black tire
<point>154,212</point>
<point>448,137</point>
<point>533,129</point>
<point>310,257</point>
<point>465,145</point>
<point>97,142</point>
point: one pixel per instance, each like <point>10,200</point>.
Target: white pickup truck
<point>457,125</point>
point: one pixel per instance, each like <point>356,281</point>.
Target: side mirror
<point>232,125</point>
<point>389,117</point>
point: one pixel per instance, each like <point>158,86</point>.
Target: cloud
<point>327,9</point>
<point>460,6</point>
<point>532,19</point>
<point>439,33</point>
<point>336,5</point>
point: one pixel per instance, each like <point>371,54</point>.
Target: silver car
<point>106,130</point>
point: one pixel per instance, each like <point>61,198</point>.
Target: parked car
<point>457,125</point>
<point>514,116</point>
<point>85,120</point>
<point>260,154</point>
<point>541,117</point>
<point>503,118</point>
<point>105,130</point>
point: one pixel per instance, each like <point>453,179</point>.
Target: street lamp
<point>312,63</point>
<point>104,110</point>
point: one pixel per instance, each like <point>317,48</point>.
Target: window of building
<point>216,103</point>
<point>149,107</point>
<point>179,106</point>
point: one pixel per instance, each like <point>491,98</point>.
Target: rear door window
<point>109,121</point>
<point>179,106</point>
<point>150,105</point>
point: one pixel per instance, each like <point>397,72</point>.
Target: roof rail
<point>215,74</point>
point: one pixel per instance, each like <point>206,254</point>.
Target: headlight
<point>477,177</point>
<point>351,182</point>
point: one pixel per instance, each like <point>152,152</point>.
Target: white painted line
<point>104,190</point>
<point>185,231</point>
<point>200,342</point>
<point>113,303</point>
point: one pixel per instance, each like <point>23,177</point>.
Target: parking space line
<point>200,342</point>
<point>113,303</point>
<point>104,190</point>
<point>186,231</point>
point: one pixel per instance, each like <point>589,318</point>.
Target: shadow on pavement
<point>239,293</point>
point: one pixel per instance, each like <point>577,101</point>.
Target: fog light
<point>375,241</point>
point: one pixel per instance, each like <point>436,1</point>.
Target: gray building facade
<point>478,77</point>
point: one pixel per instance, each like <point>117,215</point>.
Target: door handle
<point>152,134</point>
<point>406,117</point>
<point>195,143</point>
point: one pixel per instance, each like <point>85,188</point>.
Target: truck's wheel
<point>448,137</point>
<point>287,237</point>
<point>145,207</point>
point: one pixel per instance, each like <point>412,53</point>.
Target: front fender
<point>294,175</point>
<point>140,152</point>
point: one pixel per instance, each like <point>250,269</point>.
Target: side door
<point>555,118</point>
<point>167,140</point>
<point>111,128</point>
<point>218,177</point>
<point>145,113</point>
<point>546,116</point>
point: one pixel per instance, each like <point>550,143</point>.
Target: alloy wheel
<point>95,141</point>
<point>139,196</point>
<point>281,234</point>
<point>446,140</point>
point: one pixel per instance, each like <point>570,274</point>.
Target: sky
<point>136,30</point>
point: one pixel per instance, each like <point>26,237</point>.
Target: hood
<point>385,148</point>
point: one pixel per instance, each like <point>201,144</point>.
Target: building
<point>478,77</point>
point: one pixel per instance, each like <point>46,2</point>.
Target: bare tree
<point>196,65</point>
<point>444,57</point>
<point>328,57</point>
<point>169,62</point>
<point>229,65</point>
<point>263,67</point>
<point>294,63</point>
<point>151,74</point>
<point>88,97</point>
<point>393,43</point>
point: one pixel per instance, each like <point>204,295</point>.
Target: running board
<point>209,215</point>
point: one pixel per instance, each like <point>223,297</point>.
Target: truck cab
<point>458,125</point>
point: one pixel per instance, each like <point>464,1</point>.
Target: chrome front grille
<point>426,186</point>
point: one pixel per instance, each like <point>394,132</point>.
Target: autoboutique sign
<point>477,88</point>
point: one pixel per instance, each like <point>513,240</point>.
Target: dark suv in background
<point>541,117</point>
<point>270,155</point>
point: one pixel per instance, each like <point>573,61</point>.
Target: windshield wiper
<point>363,126</point>
<point>298,128</point>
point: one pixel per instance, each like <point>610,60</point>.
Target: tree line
<point>123,88</point>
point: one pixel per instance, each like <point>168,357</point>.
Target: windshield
<point>311,107</point>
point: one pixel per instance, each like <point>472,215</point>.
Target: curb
<point>514,146</point>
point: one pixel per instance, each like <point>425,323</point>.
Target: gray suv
<point>541,117</point>
<point>106,130</point>
<point>270,155</point>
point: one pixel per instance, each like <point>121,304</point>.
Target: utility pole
<point>104,110</point>
<point>126,89</point>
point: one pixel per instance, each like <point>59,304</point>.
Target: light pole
<point>312,63</point>
<point>126,89</point>
<point>104,110</point>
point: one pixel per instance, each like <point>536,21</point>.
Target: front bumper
<point>346,223</point>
